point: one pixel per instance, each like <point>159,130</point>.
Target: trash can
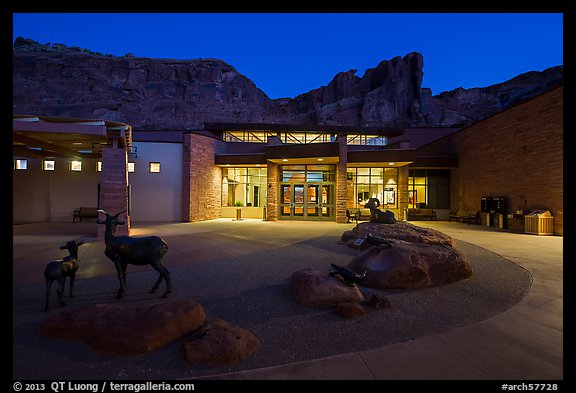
<point>485,218</point>
<point>539,222</point>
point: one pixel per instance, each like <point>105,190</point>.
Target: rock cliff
<point>168,94</point>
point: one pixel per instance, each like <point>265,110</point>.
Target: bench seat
<point>468,216</point>
<point>85,212</point>
<point>420,214</point>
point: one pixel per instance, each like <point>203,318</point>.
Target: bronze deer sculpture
<point>128,250</point>
<point>60,269</point>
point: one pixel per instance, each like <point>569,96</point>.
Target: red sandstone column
<point>402,191</point>
<point>114,187</point>
<point>272,192</point>
<point>186,178</point>
<point>202,179</point>
<point>341,192</point>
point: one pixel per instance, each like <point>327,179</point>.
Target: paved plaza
<point>506,322</point>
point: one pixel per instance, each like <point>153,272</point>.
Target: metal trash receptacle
<point>539,222</point>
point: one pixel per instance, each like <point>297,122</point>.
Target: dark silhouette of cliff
<point>168,94</point>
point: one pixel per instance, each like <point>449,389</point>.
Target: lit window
<point>99,166</point>
<point>154,167</point>
<point>76,166</point>
<point>49,165</point>
<point>131,167</point>
<point>21,164</point>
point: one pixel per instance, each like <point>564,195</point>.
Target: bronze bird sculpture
<point>349,277</point>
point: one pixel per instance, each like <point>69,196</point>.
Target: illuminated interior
<point>301,137</point>
<point>366,183</point>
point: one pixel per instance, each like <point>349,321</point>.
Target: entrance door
<point>306,201</point>
<point>327,208</point>
<point>292,200</point>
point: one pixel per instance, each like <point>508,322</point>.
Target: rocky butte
<point>169,94</point>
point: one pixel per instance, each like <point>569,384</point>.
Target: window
<point>131,167</point>
<point>244,187</point>
<point>21,164</point>
<point>370,140</point>
<point>366,183</point>
<point>429,188</point>
<point>154,167</point>
<point>49,165</point>
<point>99,166</point>
<point>309,173</point>
<point>76,166</point>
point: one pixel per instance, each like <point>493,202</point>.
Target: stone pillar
<point>402,192</point>
<point>341,185</point>
<point>202,179</point>
<point>272,192</point>
<point>114,187</point>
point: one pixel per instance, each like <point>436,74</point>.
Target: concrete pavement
<point>523,343</point>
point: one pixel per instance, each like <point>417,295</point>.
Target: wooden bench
<point>352,215</point>
<point>420,214</point>
<point>358,214</point>
<point>468,216</point>
<point>85,212</point>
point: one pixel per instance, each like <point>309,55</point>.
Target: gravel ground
<point>253,291</point>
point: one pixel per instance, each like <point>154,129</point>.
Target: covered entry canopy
<point>45,136</point>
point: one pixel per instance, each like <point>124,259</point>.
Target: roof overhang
<point>43,136</point>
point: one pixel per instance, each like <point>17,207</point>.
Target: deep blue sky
<point>289,54</point>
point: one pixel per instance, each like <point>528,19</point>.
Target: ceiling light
<point>76,143</point>
<point>390,163</point>
<point>320,159</point>
<point>285,159</point>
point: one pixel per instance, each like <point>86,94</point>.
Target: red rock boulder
<point>120,330</point>
<point>220,344</point>
<point>400,230</point>
<point>318,288</point>
<point>411,265</point>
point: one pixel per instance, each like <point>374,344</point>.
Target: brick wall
<point>341,183</point>
<point>114,187</point>
<point>517,154</point>
<point>202,179</point>
<point>272,192</point>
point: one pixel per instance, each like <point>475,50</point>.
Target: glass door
<point>292,201</point>
<point>299,200</point>
<point>326,206</point>
<point>313,201</point>
<point>286,203</point>
<point>307,201</point>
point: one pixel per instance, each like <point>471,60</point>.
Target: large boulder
<point>118,330</point>
<point>318,288</point>
<point>400,230</point>
<point>220,344</point>
<point>411,265</point>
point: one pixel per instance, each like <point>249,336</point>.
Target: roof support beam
<point>32,142</point>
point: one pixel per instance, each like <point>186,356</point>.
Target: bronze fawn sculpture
<point>60,269</point>
<point>128,250</point>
